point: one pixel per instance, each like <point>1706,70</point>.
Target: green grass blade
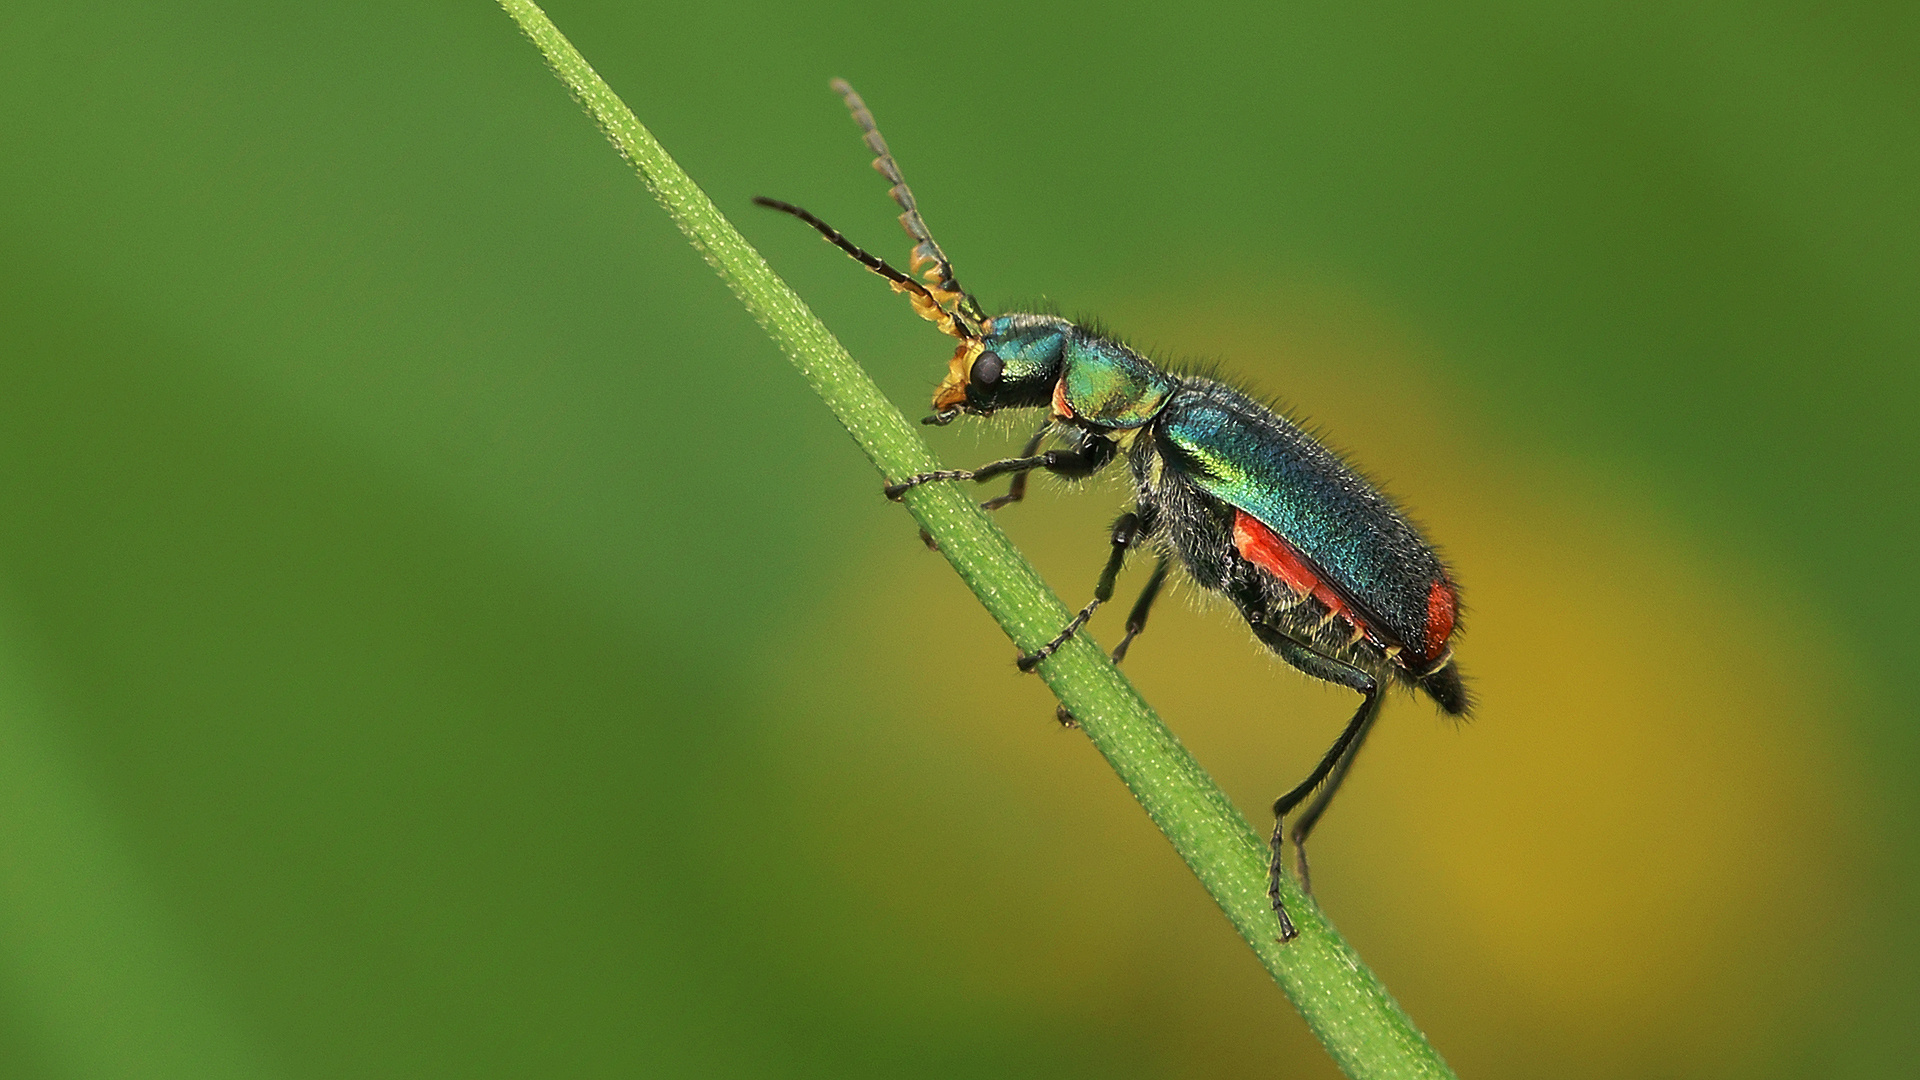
<point>1345,1006</point>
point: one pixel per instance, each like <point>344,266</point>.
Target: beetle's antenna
<point>922,297</point>
<point>925,249</point>
<point>865,258</point>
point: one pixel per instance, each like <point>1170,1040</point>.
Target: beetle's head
<point>1013,364</point>
<point>1008,362</point>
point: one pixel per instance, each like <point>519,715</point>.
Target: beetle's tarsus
<point>1028,661</point>
<point>895,491</point>
<point>1287,930</point>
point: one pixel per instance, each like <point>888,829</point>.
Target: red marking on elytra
<point>1060,407</point>
<point>1441,605</point>
<point>1261,547</point>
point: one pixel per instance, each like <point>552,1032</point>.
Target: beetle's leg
<point>1137,618</point>
<point>1018,490</point>
<point>1136,622</point>
<point>1090,457</point>
<point>1338,759</point>
<point>1128,530</point>
<point>1303,825</point>
<point>1029,661</point>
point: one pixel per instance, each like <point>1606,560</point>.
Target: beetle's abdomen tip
<point>1448,691</point>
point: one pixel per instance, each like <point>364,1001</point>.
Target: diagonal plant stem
<point>1345,1006</point>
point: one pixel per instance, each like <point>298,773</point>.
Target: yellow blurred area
<point>1645,828</point>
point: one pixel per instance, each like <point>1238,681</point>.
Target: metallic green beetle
<point>1327,572</point>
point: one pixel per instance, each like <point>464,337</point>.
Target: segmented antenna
<point>925,249</point>
<point>922,297</point>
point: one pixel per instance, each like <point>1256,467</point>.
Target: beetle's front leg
<point>1085,460</point>
<point>1018,490</point>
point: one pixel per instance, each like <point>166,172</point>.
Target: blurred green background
<point>439,636</point>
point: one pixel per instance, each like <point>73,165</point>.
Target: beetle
<point>1327,572</point>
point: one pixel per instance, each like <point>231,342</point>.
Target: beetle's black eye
<point>986,370</point>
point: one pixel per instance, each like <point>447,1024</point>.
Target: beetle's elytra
<point>1327,572</point>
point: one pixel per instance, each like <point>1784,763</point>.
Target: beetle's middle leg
<point>1137,618</point>
<point>1129,529</point>
<point>1136,622</point>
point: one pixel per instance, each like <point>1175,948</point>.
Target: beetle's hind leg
<point>1303,825</point>
<point>1332,769</point>
<point>1329,773</point>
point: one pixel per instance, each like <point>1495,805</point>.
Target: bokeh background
<point>439,636</point>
